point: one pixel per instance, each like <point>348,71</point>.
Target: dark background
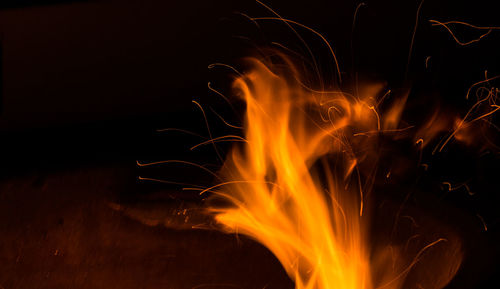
<point>85,85</point>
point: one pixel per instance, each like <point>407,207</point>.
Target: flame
<point>294,184</point>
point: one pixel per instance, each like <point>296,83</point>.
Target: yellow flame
<point>284,190</point>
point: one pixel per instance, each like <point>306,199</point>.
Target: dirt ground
<point>69,230</point>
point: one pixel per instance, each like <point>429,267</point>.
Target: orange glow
<point>293,185</point>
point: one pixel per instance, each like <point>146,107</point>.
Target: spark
<point>483,222</point>
<point>236,182</point>
<point>361,195</point>
<point>480,82</point>
<point>453,188</point>
<point>278,17</point>
<point>383,97</point>
<point>250,19</point>
<point>208,129</point>
<point>446,26</point>
<point>213,65</point>
<point>414,223</point>
<point>178,161</point>
<point>313,31</point>
<point>224,121</point>
<point>181,130</point>
<point>219,139</point>
<point>464,123</point>
<point>218,93</point>
<point>415,261</point>
<point>427,61</point>
<point>352,38</point>
<point>165,181</point>
<point>376,114</point>
<point>383,131</point>
<point>413,37</point>
<point>411,239</point>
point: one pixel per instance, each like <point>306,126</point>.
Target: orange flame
<point>294,186</point>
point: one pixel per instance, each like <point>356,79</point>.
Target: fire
<point>294,184</point>
<point>318,238</point>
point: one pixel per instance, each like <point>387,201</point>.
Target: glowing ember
<point>294,185</point>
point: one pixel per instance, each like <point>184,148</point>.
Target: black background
<point>87,84</point>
